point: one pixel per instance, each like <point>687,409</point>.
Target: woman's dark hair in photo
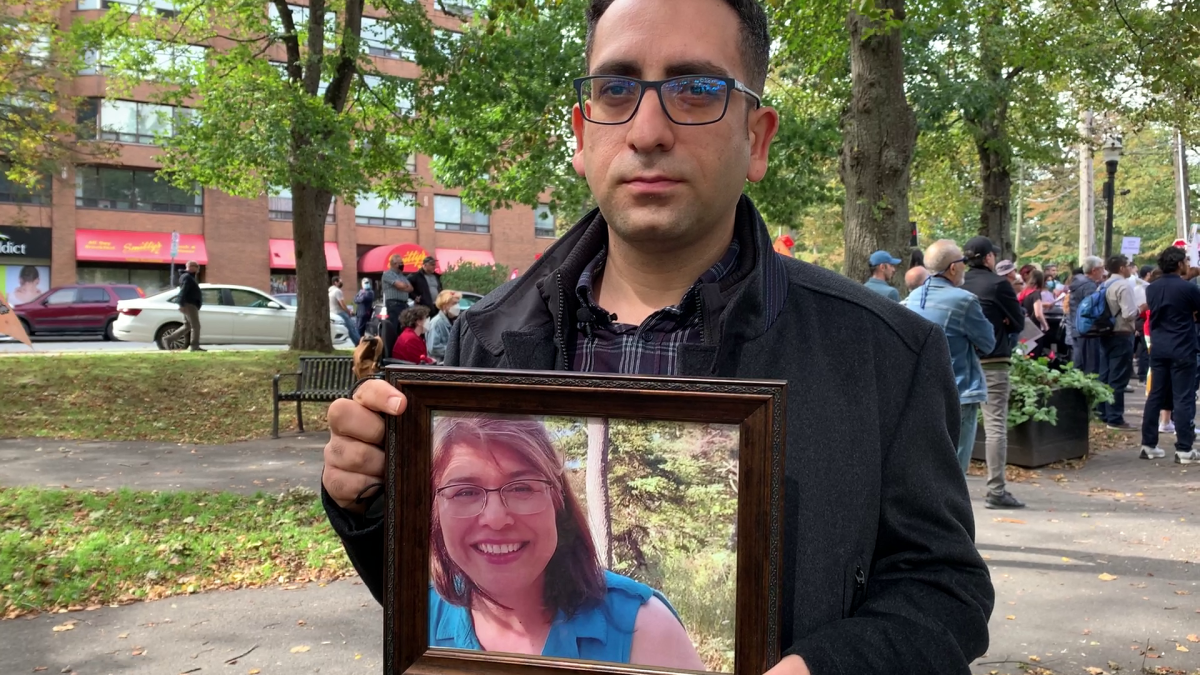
<point>1171,260</point>
<point>29,273</point>
<point>1037,280</point>
<point>410,317</point>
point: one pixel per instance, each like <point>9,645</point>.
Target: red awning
<point>376,260</point>
<point>283,255</point>
<point>144,247</point>
<point>449,257</point>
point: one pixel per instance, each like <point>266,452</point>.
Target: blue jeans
<point>968,426</point>
<point>351,327</point>
<point>1116,365</point>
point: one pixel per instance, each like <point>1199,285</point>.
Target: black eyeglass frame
<point>732,85</point>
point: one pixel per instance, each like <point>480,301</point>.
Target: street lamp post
<point>1112,155</point>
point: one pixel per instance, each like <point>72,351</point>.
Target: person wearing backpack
<point>1116,344</point>
<point>1085,349</point>
<point>1000,307</point>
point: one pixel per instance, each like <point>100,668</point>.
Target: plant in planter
<point>1049,408</point>
<point>1033,381</point>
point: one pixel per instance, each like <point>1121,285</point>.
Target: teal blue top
<point>600,633</point>
<point>883,288</point>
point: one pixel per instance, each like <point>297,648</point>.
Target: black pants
<point>394,307</point>
<point>1116,361</point>
<point>1143,357</point>
<point>1171,382</point>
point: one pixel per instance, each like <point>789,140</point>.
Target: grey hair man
<point>968,333</point>
<point>1085,351</point>
<point>190,300</point>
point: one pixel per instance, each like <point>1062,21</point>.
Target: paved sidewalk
<point>1130,519</point>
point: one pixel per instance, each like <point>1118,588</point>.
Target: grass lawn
<point>70,549</point>
<point>214,397</point>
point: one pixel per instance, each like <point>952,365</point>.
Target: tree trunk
<point>995,169</point>
<point>599,511</point>
<point>879,133</point>
<point>312,330</point>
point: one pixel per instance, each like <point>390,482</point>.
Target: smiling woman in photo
<point>513,565</point>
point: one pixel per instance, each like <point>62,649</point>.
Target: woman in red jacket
<point>410,346</point>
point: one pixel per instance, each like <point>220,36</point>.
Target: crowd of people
<point>992,311</point>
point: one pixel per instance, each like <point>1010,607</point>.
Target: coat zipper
<point>559,329</point>
<point>860,586</point>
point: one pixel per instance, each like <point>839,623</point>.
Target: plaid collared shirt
<point>653,347</point>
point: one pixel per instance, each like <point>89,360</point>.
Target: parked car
<point>286,298</point>
<point>465,302</point>
<point>78,309</point>
<point>229,315</point>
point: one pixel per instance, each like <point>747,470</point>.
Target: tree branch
<point>316,46</point>
<point>338,91</point>
<point>1012,74</point>
<point>291,41</point>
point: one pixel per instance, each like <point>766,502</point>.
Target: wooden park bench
<point>320,379</point>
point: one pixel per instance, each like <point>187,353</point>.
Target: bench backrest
<point>326,373</point>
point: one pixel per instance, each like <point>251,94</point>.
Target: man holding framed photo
<point>675,274</point>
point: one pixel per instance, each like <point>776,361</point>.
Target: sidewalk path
<point>1119,516</point>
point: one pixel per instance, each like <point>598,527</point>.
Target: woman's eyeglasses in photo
<point>522,497</point>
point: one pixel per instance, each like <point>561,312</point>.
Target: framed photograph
<point>538,523</point>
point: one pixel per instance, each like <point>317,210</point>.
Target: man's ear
<point>762,124</point>
<point>577,124</point>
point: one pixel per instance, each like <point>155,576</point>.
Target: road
<point>81,345</point>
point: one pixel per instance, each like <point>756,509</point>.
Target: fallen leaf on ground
<point>1180,648</point>
<point>1087,631</point>
<point>357,657</point>
<point>1106,577</point>
<point>70,625</point>
<point>1093,670</point>
<point>138,651</point>
<point>1183,592</point>
<point>254,671</point>
<point>1009,520</point>
<point>300,622</point>
<point>298,649</point>
<point>1010,617</point>
<point>122,636</point>
<point>1035,658</point>
<point>1193,638</point>
<point>38,669</point>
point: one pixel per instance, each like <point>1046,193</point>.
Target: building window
<point>450,214</point>
<point>132,190</point>
<point>447,41</point>
<point>17,193</point>
<point>279,205</point>
<point>300,22</point>
<point>458,7</point>
<point>380,89</point>
<point>171,62</point>
<point>282,68</point>
<point>373,210</point>
<point>380,38</point>
<point>410,164</point>
<point>163,7</point>
<point>543,222</point>
<point>129,121</point>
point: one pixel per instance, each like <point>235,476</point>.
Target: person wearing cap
<point>427,283</point>
<point>968,333</point>
<point>364,307</point>
<point>1008,270</point>
<point>883,268</point>
<point>1000,306</point>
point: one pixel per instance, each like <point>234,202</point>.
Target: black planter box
<point>1032,444</point>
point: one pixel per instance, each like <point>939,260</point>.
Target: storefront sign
<point>24,242</point>
<point>142,247</point>
<point>283,255</point>
<point>376,260</point>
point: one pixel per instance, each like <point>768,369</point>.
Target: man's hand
<point>354,455</point>
<point>790,665</point>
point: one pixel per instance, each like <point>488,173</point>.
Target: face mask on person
<point>452,311</point>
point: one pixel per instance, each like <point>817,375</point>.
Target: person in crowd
<point>410,344</point>
<point>396,290</point>
<point>190,300</point>
<point>1116,347</point>
<point>1085,349</point>
<point>1034,308</point>
<point>1174,306</point>
<point>883,268</point>
<point>427,284</point>
<point>916,258</point>
<point>338,307</point>
<point>1018,284</point>
<point>915,277</point>
<point>968,333</point>
<point>1002,310</point>
<point>28,288</point>
<point>674,274</point>
<point>1140,353</point>
<point>438,332</point>
<point>513,565</point>
<point>1165,425</point>
<point>364,307</point>
<point>1008,270</point>
<point>1053,285</point>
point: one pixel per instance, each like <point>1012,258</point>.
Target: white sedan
<point>229,315</point>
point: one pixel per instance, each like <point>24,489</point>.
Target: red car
<point>80,309</point>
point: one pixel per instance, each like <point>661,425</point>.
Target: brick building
<point>111,222</point>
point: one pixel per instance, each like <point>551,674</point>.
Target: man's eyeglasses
<point>691,100</point>
<point>522,497</point>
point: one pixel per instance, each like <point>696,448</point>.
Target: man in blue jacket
<point>674,274</point>
<point>968,332</point>
<point>1174,304</point>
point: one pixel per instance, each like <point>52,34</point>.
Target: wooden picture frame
<point>754,408</point>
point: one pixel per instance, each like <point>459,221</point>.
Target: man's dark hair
<point>1144,271</point>
<point>1172,259</point>
<point>917,259</point>
<point>28,273</point>
<point>756,39</point>
<point>1115,263</point>
<point>413,315</point>
<point>335,280</point>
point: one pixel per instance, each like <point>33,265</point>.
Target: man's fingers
<point>381,397</point>
<point>351,420</point>
<point>346,454</point>
<point>343,487</point>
